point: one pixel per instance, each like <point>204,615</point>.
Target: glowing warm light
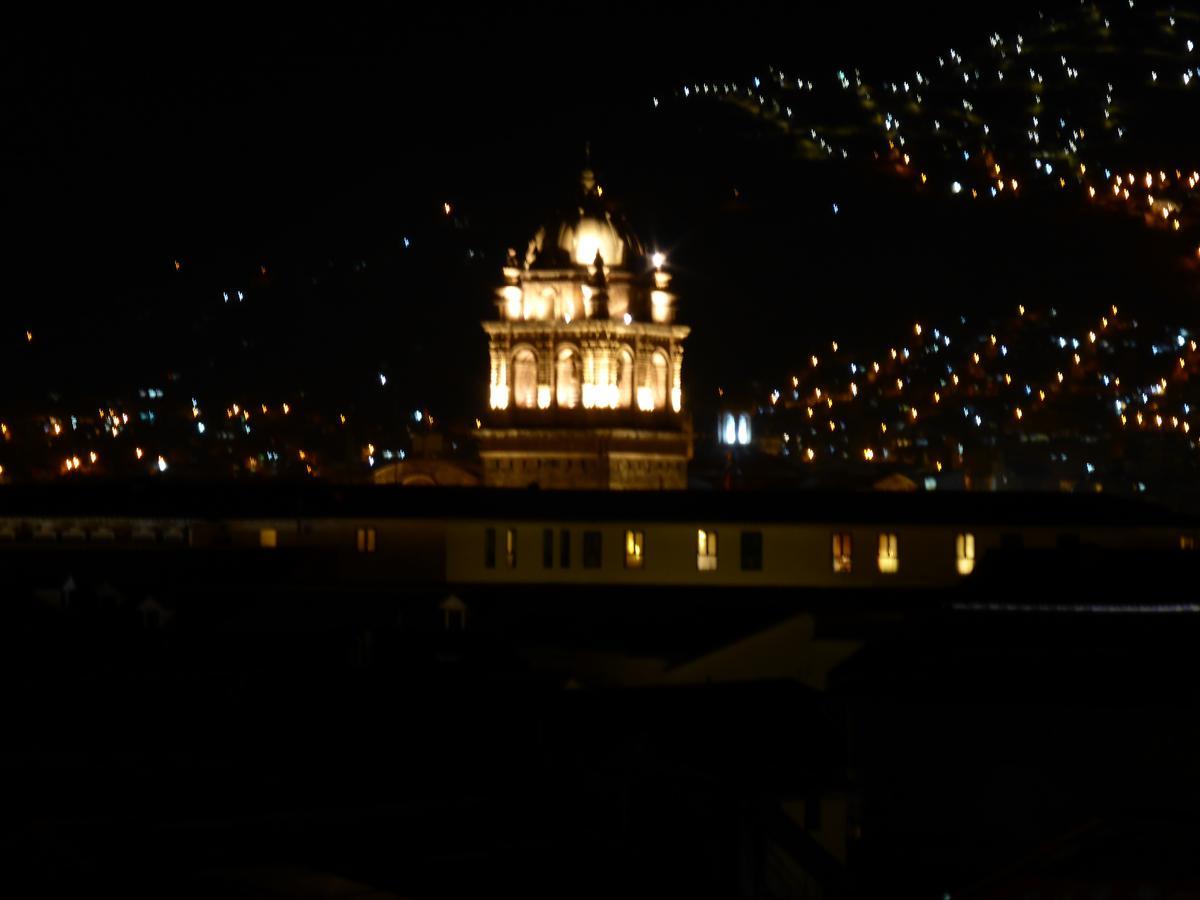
<point>964,547</point>
<point>137,451</point>
<point>645,398</point>
<point>889,554</point>
<point>162,464</point>
<point>658,259</point>
<point>634,542</point>
<point>706,550</point>
<point>543,396</point>
<point>512,301</point>
<point>92,457</point>
<point>660,306</point>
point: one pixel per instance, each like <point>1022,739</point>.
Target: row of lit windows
<point>887,559</point>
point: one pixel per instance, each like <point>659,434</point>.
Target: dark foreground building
<point>260,692</point>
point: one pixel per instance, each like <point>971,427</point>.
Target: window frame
<point>635,548</point>
<point>365,539</point>
<point>489,548</point>
<point>707,549</point>
<point>755,554</point>
<point>593,549</point>
<point>841,548</point>
<point>510,547</point>
<point>888,558</point>
<point>964,552</point>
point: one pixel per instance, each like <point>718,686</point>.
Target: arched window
<point>743,429</point>
<point>729,430</point>
<point>625,378</point>
<point>525,379</point>
<point>659,384</point>
<point>567,378</point>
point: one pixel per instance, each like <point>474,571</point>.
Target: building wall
<point>793,554</point>
<point>453,550</point>
<point>585,459</point>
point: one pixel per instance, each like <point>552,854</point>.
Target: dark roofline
<point>165,499</point>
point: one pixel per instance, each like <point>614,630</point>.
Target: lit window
<point>964,548</point>
<point>268,537</point>
<point>706,550</point>
<point>510,547</point>
<point>842,548</point>
<point>525,379</point>
<point>743,429</point>
<point>1187,542</point>
<point>889,553</point>
<point>728,430</point>
<point>567,378</point>
<point>634,549</point>
<point>625,378</point>
<point>366,540</point>
<point>659,368</point>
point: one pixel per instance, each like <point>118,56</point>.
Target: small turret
<point>599,285</point>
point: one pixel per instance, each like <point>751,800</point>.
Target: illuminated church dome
<point>586,359</point>
<point>590,226</point>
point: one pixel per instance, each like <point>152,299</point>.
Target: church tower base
<point>585,459</point>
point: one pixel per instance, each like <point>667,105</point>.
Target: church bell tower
<point>586,359</point>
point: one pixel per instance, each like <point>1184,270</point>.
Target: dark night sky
<point>313,145</point>
<point>220,133</point>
